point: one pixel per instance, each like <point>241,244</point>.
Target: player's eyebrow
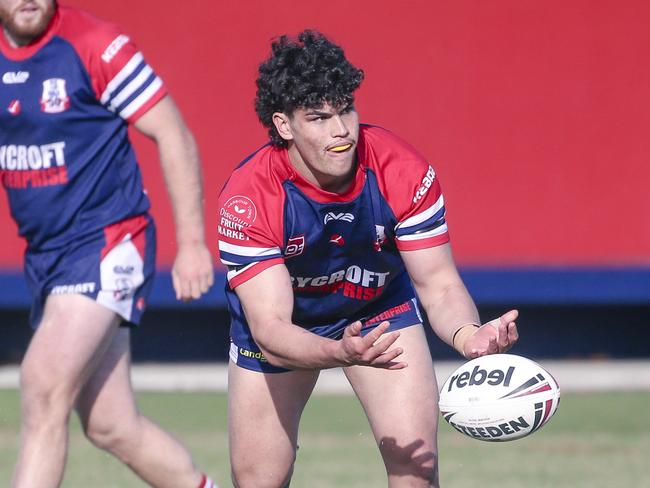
<point>320,113</point>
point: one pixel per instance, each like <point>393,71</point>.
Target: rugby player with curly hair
<point>329,233</point>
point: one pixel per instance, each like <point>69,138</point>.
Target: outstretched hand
<point>368,350</point>
<point>192,273</point>
<point>494,337</point>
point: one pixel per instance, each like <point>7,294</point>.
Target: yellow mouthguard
<point>345,147</point>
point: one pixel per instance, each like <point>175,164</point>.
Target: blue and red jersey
<point>342,251</point>
<point>65,105</point>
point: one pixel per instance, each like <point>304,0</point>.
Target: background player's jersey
<point>341,250</point>
<point>65,103</point>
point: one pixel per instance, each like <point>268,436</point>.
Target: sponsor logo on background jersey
<point>295,246</point>
<point>427,181</point>
<point>114,47</point>
<point>14,77</point>
<point>88,287</point>
<point>346,217</point>
<point>55,97</point>
<point>123,288</point>
<point>14,107</point>
<point>236,214</point>
<point>24,166</point>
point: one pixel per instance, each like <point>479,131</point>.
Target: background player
<point>323,231</point>
<point>71,84</point>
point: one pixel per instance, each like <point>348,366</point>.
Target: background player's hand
<point>370,350</point>
<point>192,273</point>
<point>494,337</point>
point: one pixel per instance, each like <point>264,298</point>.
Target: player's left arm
<point>192,272</point>
<point>450,308</point>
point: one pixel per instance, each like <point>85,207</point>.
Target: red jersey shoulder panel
<point>252,201</point>
<point>406,179</point>
<point>109,57</point>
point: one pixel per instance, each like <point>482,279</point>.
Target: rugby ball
<point>499,397</point>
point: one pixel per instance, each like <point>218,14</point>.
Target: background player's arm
<point>267,299</point>
<point>192,272</point>
<point>449,307</point>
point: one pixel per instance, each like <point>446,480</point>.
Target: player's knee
<point>112,436</point>
<point>44,403</point>
<point>261,475</point>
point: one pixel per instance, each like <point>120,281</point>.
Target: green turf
<point>599,440</point>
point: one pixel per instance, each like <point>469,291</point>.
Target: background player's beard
<point>25,34</point>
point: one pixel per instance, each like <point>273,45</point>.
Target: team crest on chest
<point>55,97</point>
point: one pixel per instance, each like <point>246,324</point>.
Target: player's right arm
<point>267,300</point>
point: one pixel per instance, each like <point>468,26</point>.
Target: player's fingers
<point>493,346</point>
<point>382,345</point>
<point>371,337</point>
<point>177,284</point>
<point>393,365</point>
<point>195,288</point>
<point>387,356</point>
<point>510,316</point>
<point>352,330</point>
<point>502,337</point>
<point>513,333</point>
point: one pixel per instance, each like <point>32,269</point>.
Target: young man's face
<point>23,21</point>
<point>322,143</point>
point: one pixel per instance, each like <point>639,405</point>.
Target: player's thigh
<point>69,343</point>
<point>402,405</point>
<point>107,398</point>
<point>264,411</point>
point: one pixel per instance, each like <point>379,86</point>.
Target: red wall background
<point>536,115</point>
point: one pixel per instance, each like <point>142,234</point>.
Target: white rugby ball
<point>499,397</point>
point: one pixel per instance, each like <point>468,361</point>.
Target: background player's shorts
<point>114,266</point>
<point>400,317</point>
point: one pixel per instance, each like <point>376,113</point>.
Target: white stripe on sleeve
<point>119,78</point>
<point>141,99</point>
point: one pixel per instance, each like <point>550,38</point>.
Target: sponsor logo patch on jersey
<point>114,47</point>
<point>427,181</point>
<point>295,246</point>
<point>346,217</point>
<point>237,213</point>
<point>55,97</point>
<point>15,77</point>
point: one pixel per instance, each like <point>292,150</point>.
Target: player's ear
<point>282,125</point>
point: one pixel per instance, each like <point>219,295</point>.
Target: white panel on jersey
<point>248,251</point>
<point>233,353</point>
<point>424,235</point>
<point>119,78</point>
<point>121,273</point>
<point>141,99</point>
<point>422,216</point>
<point>129,89</point>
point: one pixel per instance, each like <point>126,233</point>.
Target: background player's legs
<point>68,345</point>
<point>263,416</point>
<point>111,420</point>
<point>402,407</point>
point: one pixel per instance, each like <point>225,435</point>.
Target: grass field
<point>595,440</point>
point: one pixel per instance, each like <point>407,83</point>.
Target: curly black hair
<point>303,72</point>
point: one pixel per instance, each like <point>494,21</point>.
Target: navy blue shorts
<point>400,317</point>
<point>114,266</point>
